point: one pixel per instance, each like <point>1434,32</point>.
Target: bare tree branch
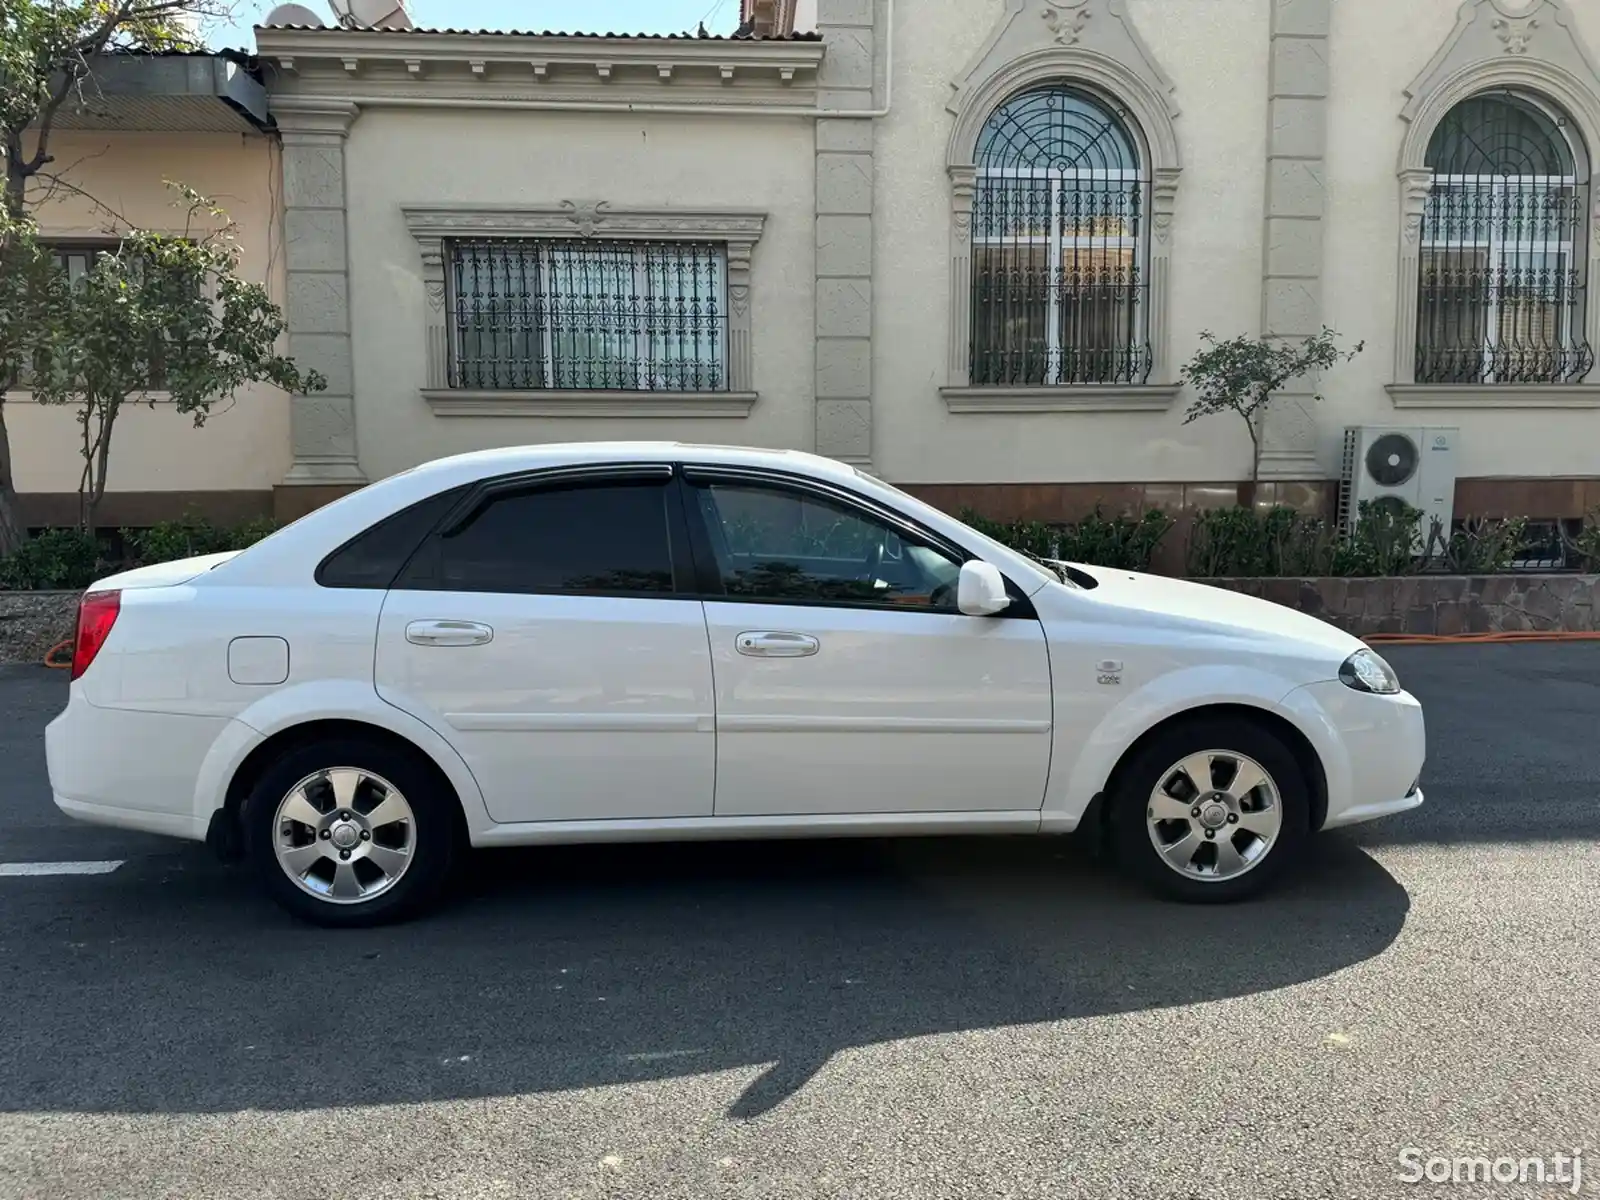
<point>56,181</point>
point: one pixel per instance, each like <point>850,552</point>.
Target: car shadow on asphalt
<point>180,990</point>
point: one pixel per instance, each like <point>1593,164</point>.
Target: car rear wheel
<point>348,832</point>
<point>1210,811</point>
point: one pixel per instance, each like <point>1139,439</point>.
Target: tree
<point>160,311</point>
<point>26,279</point>
<point>47,52</point>
<point>1242,374</point>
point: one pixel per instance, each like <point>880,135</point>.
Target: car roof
<point>480,463</point>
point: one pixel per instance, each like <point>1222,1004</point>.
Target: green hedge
<point>1122,542</point>
<point>71,558</point>
<point>1240,543</point>
<point>1222,543</point>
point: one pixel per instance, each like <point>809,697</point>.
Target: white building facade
<point>966,244</point>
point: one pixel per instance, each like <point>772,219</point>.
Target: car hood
<point>1201,608</point>
<point>167,574</point>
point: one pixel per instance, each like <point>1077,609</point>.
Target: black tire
<point>435,847</point>
<point>1139,777</point>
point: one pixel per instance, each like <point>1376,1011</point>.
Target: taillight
<point>97,613</point>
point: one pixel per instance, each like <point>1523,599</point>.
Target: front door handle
<point>777,645</point>
<point>448,633</point>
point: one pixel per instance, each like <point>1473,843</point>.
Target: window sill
<point>1489,395</point>
<point>1102,397</point>
<point>461,402</point>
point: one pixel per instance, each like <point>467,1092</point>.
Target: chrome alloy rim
<point>1214,815</point>
<point>344,835</point>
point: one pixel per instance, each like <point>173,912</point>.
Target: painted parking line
<point>60,868</point>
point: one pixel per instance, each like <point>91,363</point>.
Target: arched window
<point>1502,292</point>
<point>1060,244</point>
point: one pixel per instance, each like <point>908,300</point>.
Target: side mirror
<point>981,591</point>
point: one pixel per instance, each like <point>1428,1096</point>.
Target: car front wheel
<point>1211,810</point>
<point>346,832</point>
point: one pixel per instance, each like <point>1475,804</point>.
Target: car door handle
<point>777,645</point>
<point>448,633</point>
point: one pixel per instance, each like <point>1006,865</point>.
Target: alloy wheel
<point>1214,815</point>
<point>344,835</point>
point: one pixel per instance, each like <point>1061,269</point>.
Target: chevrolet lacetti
<point>614,642</point>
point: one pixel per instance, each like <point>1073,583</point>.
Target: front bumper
<point>1372,750</point>
<point>1361,813</point>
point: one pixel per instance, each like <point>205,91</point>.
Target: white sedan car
<point>627,642</point>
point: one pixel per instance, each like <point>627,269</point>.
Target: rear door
<point>546,632</point>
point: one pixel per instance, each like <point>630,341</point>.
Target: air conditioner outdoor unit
<point>1388,465</point>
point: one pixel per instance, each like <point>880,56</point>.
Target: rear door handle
<point>772,644</point>
<point>448,633</point>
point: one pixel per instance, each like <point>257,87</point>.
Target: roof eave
<point>200,92</point>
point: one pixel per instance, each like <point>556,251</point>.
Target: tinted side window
<point>774,544</point>
<point>604,537</point>
<point>373,559</point>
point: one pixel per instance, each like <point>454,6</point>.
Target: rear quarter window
<point>374,558</point>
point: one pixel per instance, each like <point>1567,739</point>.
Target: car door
<point>543,631</point>
<point>846,679</point>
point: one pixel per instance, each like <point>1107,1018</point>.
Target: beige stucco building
<point>968,244</point>
<point>195,119</point>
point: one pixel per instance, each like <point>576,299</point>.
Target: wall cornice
<point>583,219</point>
<point>713,73</point>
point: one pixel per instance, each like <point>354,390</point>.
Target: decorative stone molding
<point>738,230</point>
<point>1099,398</point>
<point>1065,20</point>
<point>317,297</point>
<point>390,67</point>
<point>1092,43</point>
<point>460,402</point>
<point>1527,395</point>
<point>1535,47</point>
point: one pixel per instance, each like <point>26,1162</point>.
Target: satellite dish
<point>371,14</point>
<point>293,14</point>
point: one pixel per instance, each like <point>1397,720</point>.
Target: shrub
<point>1121,542</point>
<point>55,558</point>
<point>1585,547</point>
<point>1485,546</point>
<point>191,536</point>
<point>1243,543</point>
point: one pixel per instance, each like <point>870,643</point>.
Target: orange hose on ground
<point>50,654</point>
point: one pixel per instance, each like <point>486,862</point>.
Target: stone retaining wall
<point>1437,604</point>
<point>32,622</point>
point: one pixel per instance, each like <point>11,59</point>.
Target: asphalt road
<point>959,1019</point>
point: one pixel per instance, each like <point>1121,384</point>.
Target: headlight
<point>1366,672</point>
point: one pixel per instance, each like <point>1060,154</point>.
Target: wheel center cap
<point>345,835</point>
<point>1214,815</point>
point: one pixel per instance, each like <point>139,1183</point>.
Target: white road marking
<point>59,868</point>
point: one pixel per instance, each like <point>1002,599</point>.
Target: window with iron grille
<point>1059,244</point>
<point>552,314</point>
<point>1502,293</point>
